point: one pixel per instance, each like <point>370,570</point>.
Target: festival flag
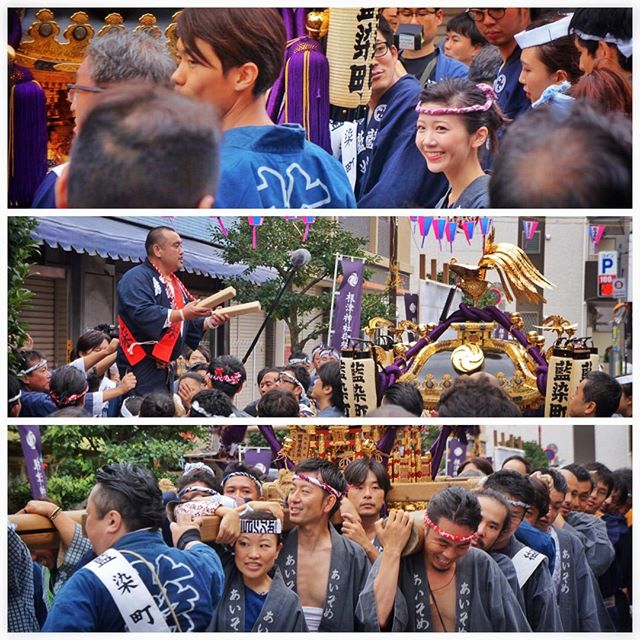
<point>218,219</point>
<point>413,220</point>
<point>308,221</point>
<point>424,223</point>
<point>450,231</point>
<point>254,223</point>
<point>530,227</point>
<point>457,454</point>
<point>31,447</point>
<point>411,306</point>
<point>485,225</point>
<point>595,233</point>
<point>469,226</point>
<point>346,320</point>
<point>438,230</point>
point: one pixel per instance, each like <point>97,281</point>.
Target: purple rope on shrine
<point>232,435</point>
<point>462,314</point>
<point>270,436</point>
<point>437,449</point>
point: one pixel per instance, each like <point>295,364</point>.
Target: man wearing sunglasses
<point>111,59</point>
<point>499,26</point>
<point>428,63</point>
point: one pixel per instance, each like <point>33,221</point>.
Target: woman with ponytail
<point>456,119</point>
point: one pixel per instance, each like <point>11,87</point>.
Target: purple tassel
<point>27,136</point>
<point>386,443</point>
<point>307,71</point>
<point>15,29</point>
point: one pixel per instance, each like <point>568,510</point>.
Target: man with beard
<point>532,567</point>
<point>447,586</point>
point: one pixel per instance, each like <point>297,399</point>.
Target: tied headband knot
<point>67,401</point>
<point>233,474</point>
<point>319,483</point>
<point>445,534</point>
<point>490,96</point>
<point>206,490</point>
<point>220,376</point>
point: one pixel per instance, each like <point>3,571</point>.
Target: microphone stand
<point>274,304</point>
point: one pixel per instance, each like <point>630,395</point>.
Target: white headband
<point>624,46</point>
<point>16,398</point>
<point>544,33</point>
<point>621,380</point>
<point>260,526</point>
<point>195,406</point>
<point>31,369</point>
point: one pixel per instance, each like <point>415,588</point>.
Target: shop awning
<point>120,240</point>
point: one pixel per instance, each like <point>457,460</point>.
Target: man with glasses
<point>386,146</point>
<point>532,567</point>
<point>499,26</point>
<point>114,58</point>
<point>296,379</point>
<point>428,63</point>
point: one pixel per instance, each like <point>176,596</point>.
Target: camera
<point>408,37</point>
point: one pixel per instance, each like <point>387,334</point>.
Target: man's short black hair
<point>301,374</point>
<point>540,497</point>
<point>511,483</point>
<point>154,237</point>
<point>470,397</point>
<point>133,492</point>
<point>604,390</point>
<point>461,23</point>
<point>385,30</point>
<point>357,471</point>
<point>558,480</point>
<point>406,395</point>
<point>485,65</point>
<point>603,22</point>
<point>329,374</point>
<point>622,482</point>
<point>158,404</point>
<point>144,146</point>
<point>498,497</point>
<point>578,158</point>
<point>210,403</point>
<point>600,473</point>
<point>278,403</point>
<point>482,464</point>
<point>524,461</point>
<point>579,472</point>
<point>456,504</point>
<point>328,472</point>
<point>202,476</point>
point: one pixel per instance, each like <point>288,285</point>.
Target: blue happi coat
<point>391,169</point>
<point>270,167</point>
<point>192,581</point>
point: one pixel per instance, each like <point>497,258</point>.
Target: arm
<point>352,528</point>
<point>65,525</point>
<point>393,534</point>
<point>127,383</point>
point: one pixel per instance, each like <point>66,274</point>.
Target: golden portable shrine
<point>487,340</point>
<point>411,469</point>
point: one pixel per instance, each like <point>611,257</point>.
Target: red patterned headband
<point>220,376</point>
<point>443,111</point>
<point>70,399</point>
<point>445,534</point>
<point>319,483</point>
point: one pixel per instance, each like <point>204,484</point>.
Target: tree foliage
<point>72,455</point>
<point>22,250</point>
<point>303,310</point>
<point>535,454</point>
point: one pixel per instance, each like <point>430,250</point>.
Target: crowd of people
<point>544,550</point>
<point>516,108</point>
<point>159,366</point>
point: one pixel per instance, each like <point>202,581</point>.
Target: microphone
<point>299,258</point>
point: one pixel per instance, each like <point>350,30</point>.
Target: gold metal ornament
<point>467,358</point>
